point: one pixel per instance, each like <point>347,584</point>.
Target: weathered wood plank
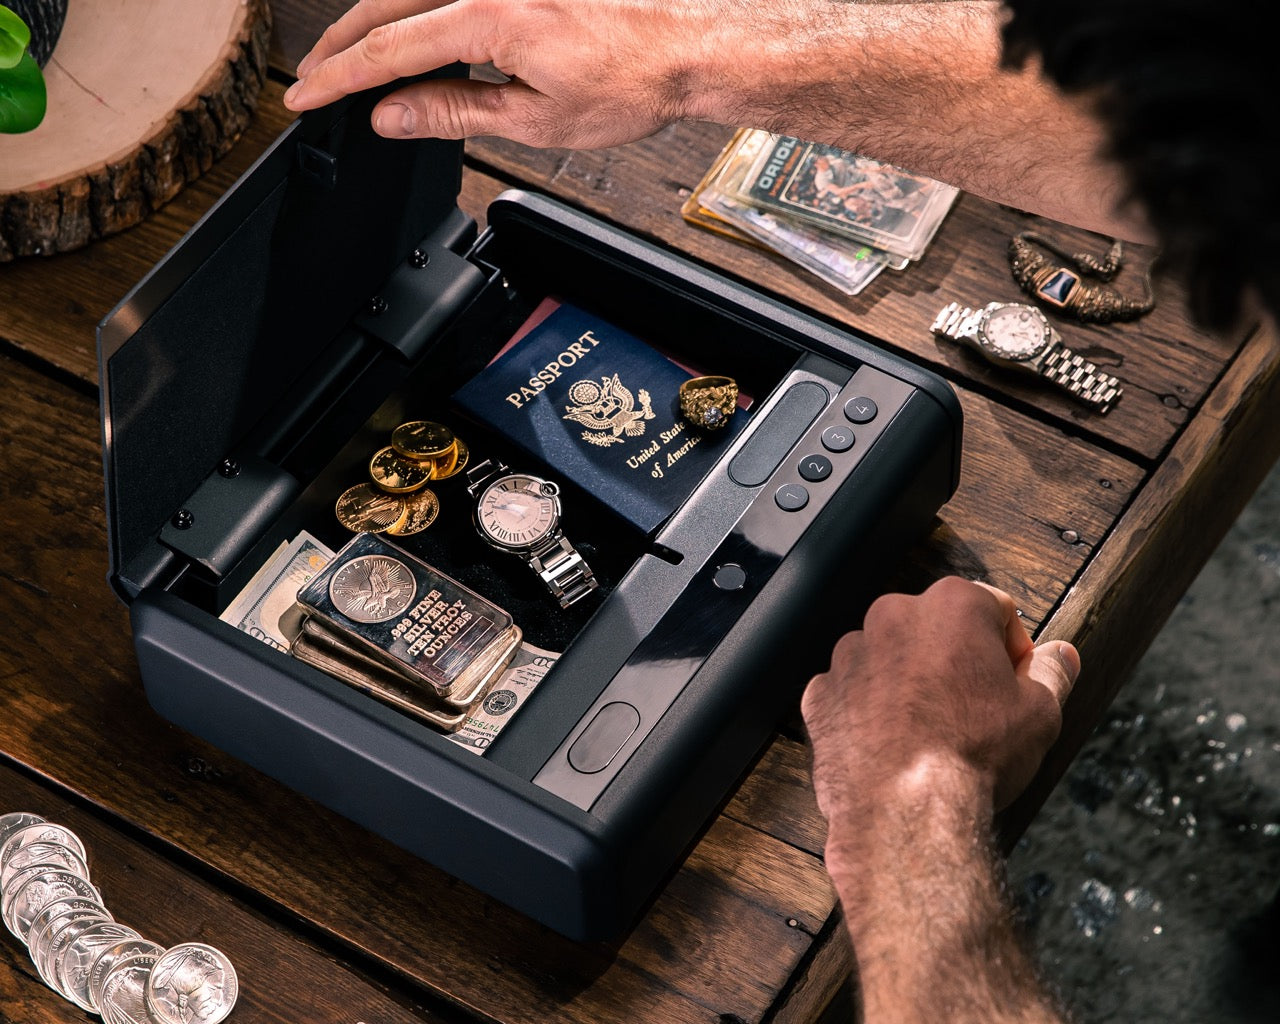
<point>297,25</point>
<point>1123,597</point>
<point>282,977</point>
<point>831,968</point>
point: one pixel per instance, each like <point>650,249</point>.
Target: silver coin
<point>40,832</point>
<point>14,820</point>
<point>57,937</point>
<point>9,892</point>
<point>73,969</point>
<point>28,893</point>
<point>51,912</point>
<point>46,854</point>
<point>40,951</point>
<point>108,957</point>
<point>124,990</point>
<point>192,982</point>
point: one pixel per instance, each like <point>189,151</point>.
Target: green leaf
<point>15,37</point>
<point>22,96</point>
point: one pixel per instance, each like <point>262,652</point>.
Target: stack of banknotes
<point>83,953</point>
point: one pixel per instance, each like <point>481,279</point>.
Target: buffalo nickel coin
<point>191,982</point>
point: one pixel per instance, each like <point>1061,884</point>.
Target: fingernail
<point>292,93</point>
<point>306,64</point>
<point>395,119</point>
<point>1069,658</point>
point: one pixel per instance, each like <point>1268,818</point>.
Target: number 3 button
<point>837,439</point>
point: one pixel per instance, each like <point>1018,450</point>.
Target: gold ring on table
<point>708,402</point>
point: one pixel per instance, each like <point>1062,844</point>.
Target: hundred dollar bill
<point>266,604</point>
<point>505,698</point>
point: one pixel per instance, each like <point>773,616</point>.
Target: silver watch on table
<point>520,514</point>
<point>1019,336</point>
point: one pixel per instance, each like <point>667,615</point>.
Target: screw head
<point>418,259</point>
<point>229,468</point>
<point>377,305</point>
<point>183,519</point>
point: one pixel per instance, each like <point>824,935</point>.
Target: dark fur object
<point>1188,91</point>
<point>44,18</point>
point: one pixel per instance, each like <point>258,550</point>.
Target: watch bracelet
<point>482,472</point>
<point>1082,378</point>
<point>953,317</point>
<point>564,571</point>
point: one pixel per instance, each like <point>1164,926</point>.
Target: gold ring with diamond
<point>708,402</point>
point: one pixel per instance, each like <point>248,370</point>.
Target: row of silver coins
<point>48,901</point>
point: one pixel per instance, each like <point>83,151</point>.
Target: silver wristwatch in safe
<point>520,513</point>
<point>1016,335</point>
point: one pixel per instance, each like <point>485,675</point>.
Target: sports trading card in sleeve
<point>844,263</point>
<point>847,194</point>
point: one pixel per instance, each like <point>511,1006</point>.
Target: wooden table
<point>1096,524</point>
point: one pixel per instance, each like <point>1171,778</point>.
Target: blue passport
<point>601,408</point>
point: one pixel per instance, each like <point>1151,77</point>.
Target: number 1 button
<point>791,497</point>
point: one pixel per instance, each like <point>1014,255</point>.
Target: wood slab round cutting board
<point>144,95</point>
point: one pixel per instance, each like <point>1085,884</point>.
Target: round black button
<point>791,497</point>
<point>815,467</point>
<point>730,576</point>
<point>837,439</point>
<point>860,410</point>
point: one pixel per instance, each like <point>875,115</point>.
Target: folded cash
<point>408,617</point>
<point>265,608</point>
<point>517,682</point>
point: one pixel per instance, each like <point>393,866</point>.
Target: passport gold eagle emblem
<point>607,410</point>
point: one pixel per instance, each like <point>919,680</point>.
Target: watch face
<point>1014,331</point>
<point>518,511</point>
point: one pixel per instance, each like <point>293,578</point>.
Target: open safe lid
<point>223,342</point>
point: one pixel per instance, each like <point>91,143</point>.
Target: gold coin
<point>421,510</point>
<point>422,439</point>
<point>394,473</point>
<point>365,509</point>
<point>453,463</point>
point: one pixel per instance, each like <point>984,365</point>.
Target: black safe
<point>337,291</point>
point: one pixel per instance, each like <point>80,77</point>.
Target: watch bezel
<point>988,346</point>
<point>543,489</point>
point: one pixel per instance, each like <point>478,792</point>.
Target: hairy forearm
<point>916,84</point>
<point>919,886</point>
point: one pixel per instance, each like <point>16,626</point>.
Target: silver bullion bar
<point>398,607</point>
<point>351,667</point>
<point>467,686</point>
